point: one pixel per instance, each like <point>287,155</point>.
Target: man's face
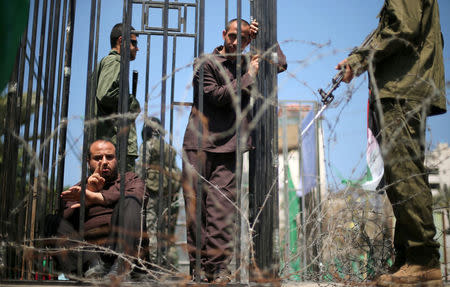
<point>231,40</point>
<point>103,154</point>
<point>133,47</point>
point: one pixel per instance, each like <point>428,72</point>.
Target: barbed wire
<point>347,236</point>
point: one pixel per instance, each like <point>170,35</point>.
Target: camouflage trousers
<point>131,163</point>
<point>168,249</point>
<point>407,187</point>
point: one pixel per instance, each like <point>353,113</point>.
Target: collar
<point>113,52</point>
<point>220,58</point>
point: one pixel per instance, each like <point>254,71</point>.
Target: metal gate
<point>35,129</point>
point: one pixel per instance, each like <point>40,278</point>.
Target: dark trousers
<point>407,187</point>
<point>217,209</point>
<point>69,239</point>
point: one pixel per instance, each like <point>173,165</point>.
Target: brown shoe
<point>413,275</point>
<point>385,279</point>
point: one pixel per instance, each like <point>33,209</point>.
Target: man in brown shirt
<point>214,157</point>
<point>102,213</point>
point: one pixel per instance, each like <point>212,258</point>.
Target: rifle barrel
<point>135,79</point>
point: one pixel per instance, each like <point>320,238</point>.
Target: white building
<point>438,163</point>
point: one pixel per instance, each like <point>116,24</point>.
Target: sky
<point>337,26</point>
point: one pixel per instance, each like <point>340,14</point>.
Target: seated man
<point>101,215</point>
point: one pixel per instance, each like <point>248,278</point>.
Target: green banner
<point>13,21</point>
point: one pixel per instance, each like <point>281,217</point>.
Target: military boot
<point>413,275</point>
<point>391,270</point>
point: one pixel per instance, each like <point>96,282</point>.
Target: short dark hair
<point>116,32</point>
<point>148,131</point>
<point>243,22</point>
<point>105,140</point>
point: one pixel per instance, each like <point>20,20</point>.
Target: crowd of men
<point>405,64</point>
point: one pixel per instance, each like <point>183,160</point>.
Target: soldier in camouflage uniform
<point>150,172</point>
<point>107,96</point>
<point>405,63</point>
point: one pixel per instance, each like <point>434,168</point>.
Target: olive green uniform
<point>406,71</point>
<point>173,174</point>
<point>106,105</point>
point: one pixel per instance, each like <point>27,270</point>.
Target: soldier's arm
<point>108,86</point>
<point>399,28</point>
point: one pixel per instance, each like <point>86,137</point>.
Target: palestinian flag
<point>375,165</point>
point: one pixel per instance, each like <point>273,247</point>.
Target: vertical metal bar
<point>65,101</point>
<point>196,44</point>
<point>59,72</point>
<point>171,155</point>
<point>160,225</point>
<point>45,100</point>
<point>20,81</point>
<point>179,17</point>
<point>172,96</point>
<point>185,18</point>
<point>303,205</point>
<point>12,177</point>
<point>264,158</point>
<point>142,217</point>
<point>199,191</point>
<point>144,137</point>
<point>45,121</point>
<point>48,129</point>
<point>97,33</point>
<point>33,201</point>
<point>39,88</point>
<point>275,260</point>
<point>253,154</point>
<point>25,155</point>
<point>317,206</point>
<point>94,74</point>
<point>252,10</point>
<point>239,141</point>
<point>144,16</point>
<point>87,129</point>
<point>122,137</point>
<point>226,13</point>
<point>444,239</point>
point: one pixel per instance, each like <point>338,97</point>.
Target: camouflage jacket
<point>152,166</point>
<point>107,100</point>
<point>406,52</point>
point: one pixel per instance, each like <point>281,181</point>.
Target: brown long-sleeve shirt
<point>100,215</point>
<point>219,116</point>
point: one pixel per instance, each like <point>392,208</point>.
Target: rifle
<point>328,97</point>
<point>134,85</point>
